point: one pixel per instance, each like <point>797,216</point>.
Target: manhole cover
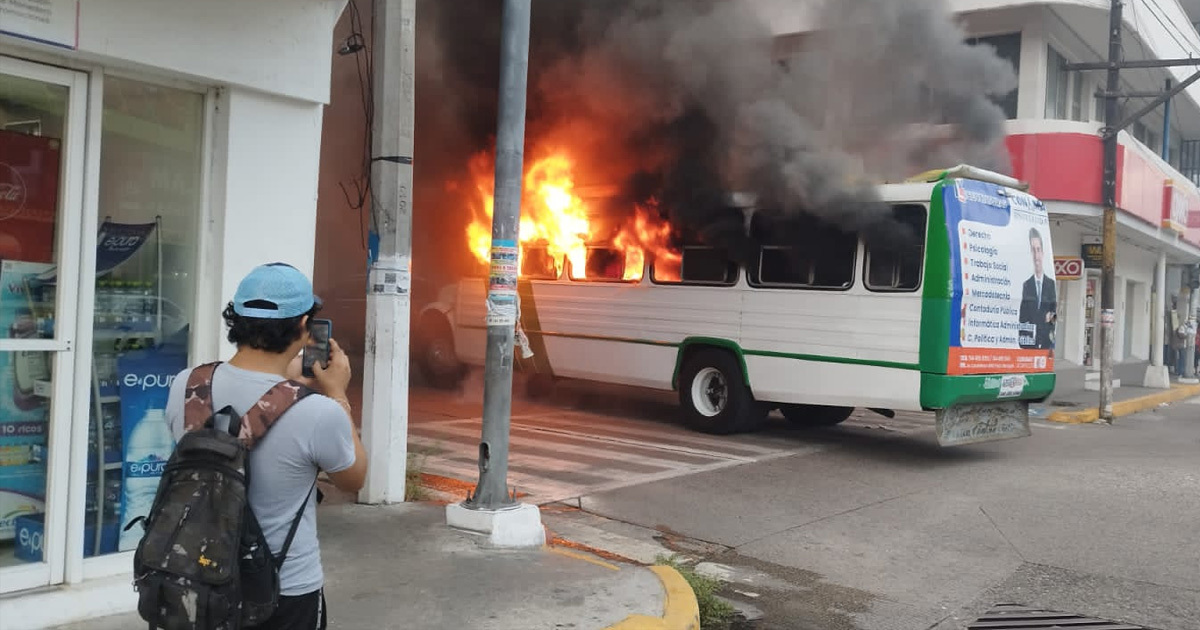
<point>1015,617</point>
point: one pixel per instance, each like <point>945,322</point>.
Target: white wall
<point>280,46</point>
<point>263,199</point>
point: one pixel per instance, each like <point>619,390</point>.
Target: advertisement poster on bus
<point>1005,301</point>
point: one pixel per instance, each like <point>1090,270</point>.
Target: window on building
<point>1058,86</point>
<point>1078,102</point>
<point>1189,160</point>
<point>1152,142</point>
<point>150,188</point>
<point>803,252</point>
<point>896,265</point>
<point>1008,48</point>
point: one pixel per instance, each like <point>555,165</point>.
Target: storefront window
<point>150,195</point>
<point>32,130</point>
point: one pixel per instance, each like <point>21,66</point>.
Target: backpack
<point>203,562</point>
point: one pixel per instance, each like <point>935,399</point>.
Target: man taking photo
<point>268,320</point>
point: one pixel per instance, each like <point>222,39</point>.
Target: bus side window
<point>803,252</point>
<point>538,264</point>
<point>697,265</point>
<point>602,265</point>
<point>897,266</point>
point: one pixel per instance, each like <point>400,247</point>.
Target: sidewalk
<point>1082,406</point>
<point>402,567</point>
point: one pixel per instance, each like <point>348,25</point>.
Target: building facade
<point>1055,119</point>
<point>150,155</point>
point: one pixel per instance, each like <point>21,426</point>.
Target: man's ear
<point>304,324</point>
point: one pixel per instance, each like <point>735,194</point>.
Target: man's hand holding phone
<point>333,378</point>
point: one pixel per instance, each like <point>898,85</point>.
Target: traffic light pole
<point>1108,195</point>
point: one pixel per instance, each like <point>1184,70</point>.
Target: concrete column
<point>1156,373</point>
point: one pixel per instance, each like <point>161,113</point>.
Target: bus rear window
<point>895,265</point>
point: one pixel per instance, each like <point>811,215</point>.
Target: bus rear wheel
<point>714,394</point>
<point>815,415</point>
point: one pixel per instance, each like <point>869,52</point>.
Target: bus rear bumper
<point>943,391</point>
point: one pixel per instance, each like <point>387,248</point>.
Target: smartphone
<point>317,350</point>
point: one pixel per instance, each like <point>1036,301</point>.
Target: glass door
<point>42,137</point>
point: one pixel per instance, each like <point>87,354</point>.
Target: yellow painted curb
<point>1127,407</point>
<point>680,610</point>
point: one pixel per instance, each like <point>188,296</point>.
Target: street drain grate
<point>1014,617</point>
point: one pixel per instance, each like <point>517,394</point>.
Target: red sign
<point>999,361</point>
<point>1175,208</point>
<point>1068,268</point>
<point>28,196</point>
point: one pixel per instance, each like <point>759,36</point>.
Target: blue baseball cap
<point>274,291</point>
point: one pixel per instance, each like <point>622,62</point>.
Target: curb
<point>680,609</point>
<point>1127,407</point>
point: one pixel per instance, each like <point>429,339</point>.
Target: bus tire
<point>436,357</point>
<point>815,415</point>
<point>714,394</point>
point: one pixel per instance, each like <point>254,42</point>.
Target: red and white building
<point>1054,139</point>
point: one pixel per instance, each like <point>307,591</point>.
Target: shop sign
<point>1093,255</point>
<point>1068,268</point>
<point>54,22</point>
<point>1175,208</point>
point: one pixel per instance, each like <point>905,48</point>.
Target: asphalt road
<point>880,530</point>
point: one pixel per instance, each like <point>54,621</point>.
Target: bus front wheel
<point>714,394</point>
<point>815,415</point>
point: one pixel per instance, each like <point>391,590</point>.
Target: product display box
<point>24,408</point>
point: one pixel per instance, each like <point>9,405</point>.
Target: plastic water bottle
<point>146,454</point>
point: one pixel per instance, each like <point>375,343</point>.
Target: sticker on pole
<point>389,279</point>
<point>502,284</point>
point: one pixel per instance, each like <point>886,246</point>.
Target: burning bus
<point>813,320</point>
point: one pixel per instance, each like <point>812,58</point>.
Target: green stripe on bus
<point>939,288</point>
<point>842,360</point>
<point>939,391</point>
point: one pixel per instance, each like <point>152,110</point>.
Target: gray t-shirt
<point>313,435</point>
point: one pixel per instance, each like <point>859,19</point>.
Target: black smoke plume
<point>681,102</point>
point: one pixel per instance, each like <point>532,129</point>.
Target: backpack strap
<point>263,415</point>
<point>287,542</point>
<point>197,399</point>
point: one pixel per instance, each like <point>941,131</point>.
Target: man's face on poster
<point>1035,246</point>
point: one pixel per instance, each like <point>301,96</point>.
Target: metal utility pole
<point>492,491</point>
<point>1109,198</point>
<point>385,374</point>
<point>1112,128</point>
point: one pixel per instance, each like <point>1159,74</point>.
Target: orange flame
<point>555,219</point>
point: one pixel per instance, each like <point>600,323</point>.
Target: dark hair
<point>270,335</point>
<point>1034,233</point>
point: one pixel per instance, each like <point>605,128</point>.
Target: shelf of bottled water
<point>126,305</point>
<point>126,319</point>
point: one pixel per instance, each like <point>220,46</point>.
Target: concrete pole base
<point>1157,377</point>
<point>519,526</point>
